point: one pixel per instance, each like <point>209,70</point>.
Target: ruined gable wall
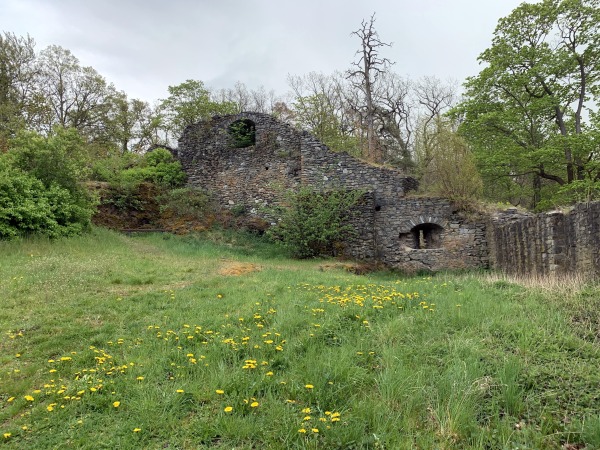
<point>248,177</point>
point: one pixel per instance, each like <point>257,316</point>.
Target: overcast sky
<point>143,46</point>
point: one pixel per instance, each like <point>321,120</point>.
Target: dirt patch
<point>235,268</point>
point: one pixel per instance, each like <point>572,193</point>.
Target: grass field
<point>156,342</point>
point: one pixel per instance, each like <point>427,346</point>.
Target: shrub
<point>315,221</point>
<point>41,188</point>
<point>28,207</point>
<point>159,167</point>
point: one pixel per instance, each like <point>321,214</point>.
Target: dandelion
<point>137,430</point>
<point>315,430</point>
<point>116,404</point>
<point>10,399</point>
<point>29,398</point>
<point>220,391</point>
<point>253,404</point>
<point>302,430</point>
<point>50,408</point>
<point>228,409</point>
<point>306,418</point>
<point>306,410</point>
<point>7,435</point>
<point>269,374</point>
<point>139,378</point>
<point>308,386</point>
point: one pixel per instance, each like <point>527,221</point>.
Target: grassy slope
<point>153,323</point>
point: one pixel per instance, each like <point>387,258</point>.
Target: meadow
<point>220,341</point>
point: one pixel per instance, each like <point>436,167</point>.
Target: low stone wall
<point>548,243</point>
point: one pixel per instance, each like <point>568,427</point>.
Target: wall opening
<point>426,236</point>
<point>242,133</point>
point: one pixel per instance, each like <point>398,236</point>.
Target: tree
<point>531,112</point>
<point>75,96</point>
<point>367,70</point>
<point>128,123</point>
<point>188,103</point>
<point>17,76</point>
<point>319,106</point>
<point>446,166</point>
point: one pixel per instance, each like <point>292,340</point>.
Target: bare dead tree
<point>364,75</point>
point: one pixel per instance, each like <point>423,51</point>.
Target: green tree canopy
<point>188,103</point>
<point>531,113</point>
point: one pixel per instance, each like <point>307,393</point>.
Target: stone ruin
<point>246,160</point>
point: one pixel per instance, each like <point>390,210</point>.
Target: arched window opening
<point>243,133</point>
<point>426,236</point>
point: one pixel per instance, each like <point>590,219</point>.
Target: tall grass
<point>154,341</point>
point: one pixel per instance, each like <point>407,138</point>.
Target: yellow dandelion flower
<point>228,409</point>
<point>220,391</point>
<point>253,404</point>
<point>180,391</point>
<point>308,386</point>
<point>315,430</point>
<point>137,430</point>
<point>116,404</point>
<point>269,374</point>
<point>10,399</point>
<point>139,378</point>
<point>306,410</point>
<point>7,435</point>
<point>29,398</point>
<point>306,418</point>
<point>301,430</point>
<point>50,408</point>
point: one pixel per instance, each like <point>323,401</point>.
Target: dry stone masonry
<point>248,160</point>
<point>548,243</point>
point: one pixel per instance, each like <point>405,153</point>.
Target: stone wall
<point>548,243</point>
<point>405,233</point>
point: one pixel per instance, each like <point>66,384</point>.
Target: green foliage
<point>317,114</point>
<point>188,103</point>
<point>60,158</point>
<point>314,222</point>
<point>159,167</point>
<point>243,133</point>
<point>446,165</point>
<point>41,188</point>
<point>529,114</point>
<point>28,207</point>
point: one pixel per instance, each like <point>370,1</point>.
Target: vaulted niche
<point>424,236</point>
<point>242,133</point>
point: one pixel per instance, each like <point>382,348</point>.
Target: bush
<point>159,167</point>
<point>315,221</point>
<point>41,188</point>
<point>28,207</point>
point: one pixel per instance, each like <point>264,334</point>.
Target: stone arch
<point>427,236</point>
<point>242,133</point>
<point>422,233</point>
